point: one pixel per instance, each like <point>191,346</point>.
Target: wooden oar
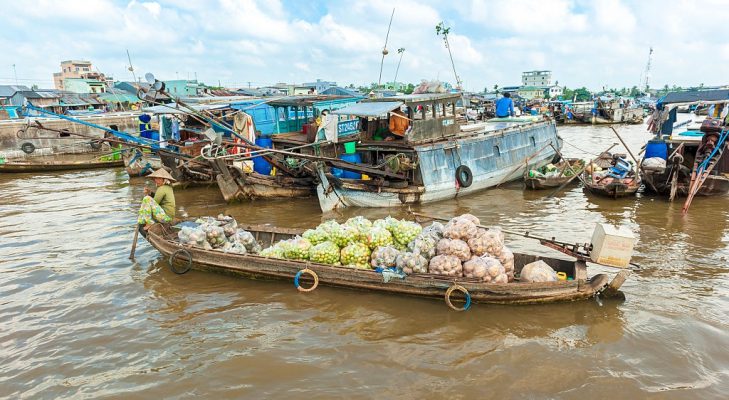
<point>134,242</point>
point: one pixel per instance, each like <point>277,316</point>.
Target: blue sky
<point>585,43</point>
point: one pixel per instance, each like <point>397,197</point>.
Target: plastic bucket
<point>260,165</point>
<point>354,159</point>
<point>350,147</point>
<point>656,148</point>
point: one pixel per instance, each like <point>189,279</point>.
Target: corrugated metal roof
<point>695,96</point>
<point>9,90</point>
<point>369,109</point>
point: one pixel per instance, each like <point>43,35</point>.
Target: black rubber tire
<point>27,147</point>
<point>187,267</point>
<point>464,176</point>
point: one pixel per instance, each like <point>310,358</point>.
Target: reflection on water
<point>80,319</point>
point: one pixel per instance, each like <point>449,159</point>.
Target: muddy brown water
<point>78,319</point>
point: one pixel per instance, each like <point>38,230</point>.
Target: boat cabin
<point>407,119</point>
<point>299,113</point>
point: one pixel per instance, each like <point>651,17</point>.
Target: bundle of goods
<point>363,244</point>
<point>219,233</point>
<point>460,248</point>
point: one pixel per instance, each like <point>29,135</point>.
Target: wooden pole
<point>626,147</point>
<point>134,241</point>
<point>568,164</point>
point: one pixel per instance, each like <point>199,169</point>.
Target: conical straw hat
<point>161,173</point>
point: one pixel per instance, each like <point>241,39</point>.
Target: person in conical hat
<point>158,206</point>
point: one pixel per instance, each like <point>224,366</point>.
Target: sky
<point>599,43</point>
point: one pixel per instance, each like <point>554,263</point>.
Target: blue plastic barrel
<point>337,172</point>
<point>656,148</point>
<point>260,165</point>
<point>354,159</point>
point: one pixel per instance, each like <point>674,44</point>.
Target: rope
<point>584,151</point>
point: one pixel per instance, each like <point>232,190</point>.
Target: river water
<point>79,319</point>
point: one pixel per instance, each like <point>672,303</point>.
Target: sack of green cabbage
<point>325,253</point>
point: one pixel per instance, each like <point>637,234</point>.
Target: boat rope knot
<point>461,289</point>
<point>187,260</point>
<point>309,272</point>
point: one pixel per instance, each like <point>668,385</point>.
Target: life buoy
<point>461,289</point>
<point>464,176</point>
<point>186,268</point>
<point>309,272</point>
<point>27,147</point>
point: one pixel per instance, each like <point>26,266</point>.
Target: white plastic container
<point>612,246</point>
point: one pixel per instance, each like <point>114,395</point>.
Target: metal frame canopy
<point>420,98</point>
<point>174,108</point>
<point>304,100</point>
<point>696,96</point>
<point>369,109</point>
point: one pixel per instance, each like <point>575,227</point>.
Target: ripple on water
<point>81,320</point>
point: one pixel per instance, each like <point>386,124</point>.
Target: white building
<point>536,78</point>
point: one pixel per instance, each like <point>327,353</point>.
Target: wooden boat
<point>183,258</point>
<point>235,184</point>
<point>139,163</point>
<point>599,181</point>
<point>56,165</point>
<point>436,158</point>
<point>536,182</point>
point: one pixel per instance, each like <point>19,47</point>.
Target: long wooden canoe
<point>164,239</point>
<point>51,166</point>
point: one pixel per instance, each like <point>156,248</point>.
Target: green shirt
<point>166,199</point>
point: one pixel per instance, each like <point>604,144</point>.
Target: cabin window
<point>534,142</point>
<point>496,151</point>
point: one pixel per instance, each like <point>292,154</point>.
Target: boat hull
<point>493,158</point>
<point>428,286</point>
<point>20,167</point>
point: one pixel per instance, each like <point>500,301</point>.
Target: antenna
<point>401,51</point>
<point>648,70</point>
<point>131,68</point>
<point>384,48</point>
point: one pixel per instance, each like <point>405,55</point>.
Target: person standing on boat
<point>158,206</point>
<point>505,106</point>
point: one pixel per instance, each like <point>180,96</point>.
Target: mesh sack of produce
<point>297,249</point>
<point>228,223</point>
<point>411,263</point>
<point>445,265</point>
<point>206,220</point>
<point>316,236</point>
<point>329,226</point>
<point>507,260</point>
<point>538,271</point>
<point>477,268</point>
<point>405,231</point>
<point>235,248</point>
<point>494,270</point>
<point>435,230</point>
<point>272,252</point>
<point>359,221</point>
<point>460,228</point>
<point>454,247</point>
<point>471,218</point>
<point>356,255</point>
<point>248,240</point>
<point>192,236</point>
<point>377,237</point>
<point>424,245</point>
<point>384,256</point>
<point>324,253</point>
<point>492,240</point>
<point>344,235</point>
<point>215,235</point>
